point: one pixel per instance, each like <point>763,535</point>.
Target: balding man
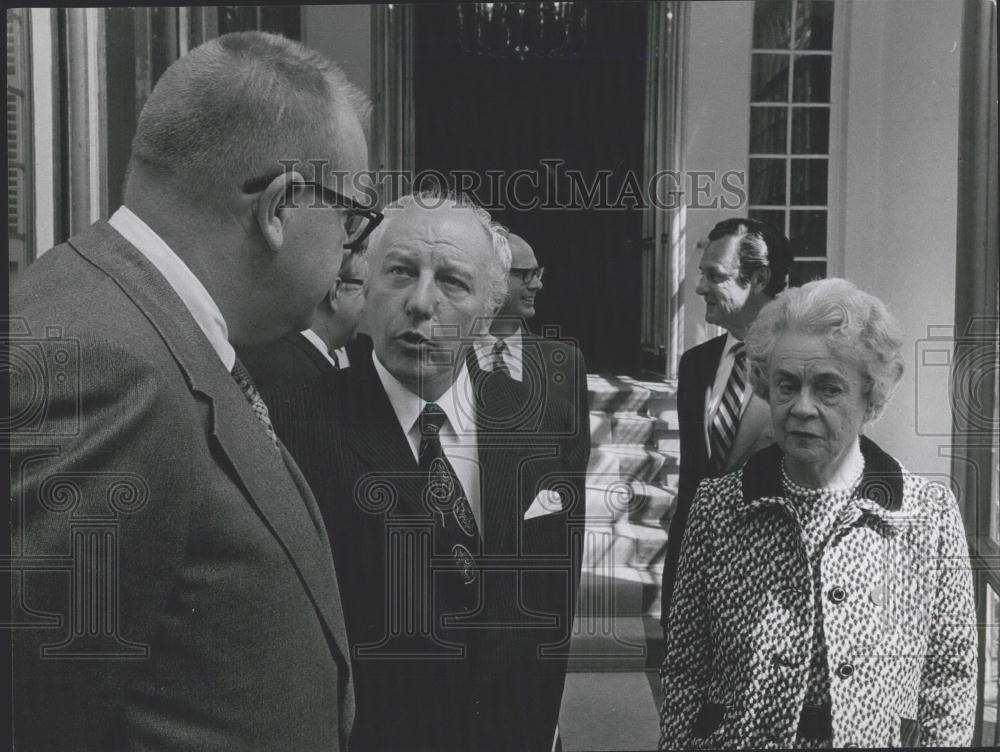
<point>179,591</point>
<point>458,549</point>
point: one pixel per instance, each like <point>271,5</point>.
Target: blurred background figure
<point>824,595</point>
<point>330,342</point>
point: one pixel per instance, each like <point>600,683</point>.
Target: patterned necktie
<point>335,359</point>
<point>243,378</point>
<point>727,418</point>
<point>456,533</point>
<point>499,364</point>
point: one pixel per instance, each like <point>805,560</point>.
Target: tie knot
<point>431,419</point>
<point>739,350</point>
<point>499,347</point>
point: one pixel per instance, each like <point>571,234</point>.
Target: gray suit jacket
<point>173,584</point>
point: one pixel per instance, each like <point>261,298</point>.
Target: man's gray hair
<point>856,326</point>
<point>432,200</point>
<point>242,106</point>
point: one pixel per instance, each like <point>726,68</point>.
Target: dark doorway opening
<point>491,117</point>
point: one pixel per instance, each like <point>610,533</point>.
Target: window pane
<point>772,24</point>
<point>810,130</point>
<point>808,182</point>
<point>774,217</point>
<point>768,130</point>
<point>814,25</point>
<point>769,78</point>
<point>807,232</point>
<point>812,78</point>
<point>767,181</point>
<point>806,271</point>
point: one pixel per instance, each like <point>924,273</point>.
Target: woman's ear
<point>270,212</point>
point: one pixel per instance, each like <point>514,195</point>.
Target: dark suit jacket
<point>493,684</point>
<point>695,375</point>
<point>288,360</point>
<point>174,587</point>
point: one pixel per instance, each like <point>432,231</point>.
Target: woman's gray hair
<point>854,324</point>
<point>431,200</point>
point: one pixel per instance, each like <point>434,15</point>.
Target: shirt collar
<point>457,402</point>
<point>319,344</point>
<point>484,347</point>
<point>731,341</point>
<point>187,286</point>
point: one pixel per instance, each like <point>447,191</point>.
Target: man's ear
<point>270,211</point>
<point>331,296</point>
<point>761,278</point>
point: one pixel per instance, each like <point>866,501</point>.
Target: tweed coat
<point>898,614</point>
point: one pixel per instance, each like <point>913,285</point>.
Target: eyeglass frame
<point>331,199</point>
<point>527,275</point>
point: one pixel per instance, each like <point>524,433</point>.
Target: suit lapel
<point>308,349</point>
<point>374,433</point>
<point>260,470</point>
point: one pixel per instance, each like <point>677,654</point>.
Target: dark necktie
<point>335,359</point>
<point>499,364</point>
<point>727,418</point>
<point>243,378</point>
<point>456,533</point>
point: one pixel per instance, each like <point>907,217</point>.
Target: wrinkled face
<point>719,282</point>
<point>314,236</point>
<point>427,285</point>
<point>520,300</point>
<point>817,400</point>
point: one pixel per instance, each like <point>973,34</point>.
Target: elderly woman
<point>824,596</point>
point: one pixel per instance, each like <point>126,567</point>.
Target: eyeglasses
<point>527,276</point>
<point>359,220</point>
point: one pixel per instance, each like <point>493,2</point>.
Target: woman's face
<point>817,400</point>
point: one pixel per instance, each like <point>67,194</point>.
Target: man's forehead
<point>521,254</point>
<point>442,224</point>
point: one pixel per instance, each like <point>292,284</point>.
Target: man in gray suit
<point>173,585</point>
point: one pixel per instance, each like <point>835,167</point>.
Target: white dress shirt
<point>713,396</point>
<point>457,434</point>
<point>320,345</point>
<point>187,286</point>
<point>513,355</point>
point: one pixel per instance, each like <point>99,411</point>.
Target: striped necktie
<point>245,380</point>
<point>499,364</point>
<point>727,417</point>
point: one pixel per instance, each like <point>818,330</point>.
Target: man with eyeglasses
<point>721,422</point>
<point>330,342</point>
<point>188,598</point>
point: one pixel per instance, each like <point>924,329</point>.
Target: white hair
<point>430,200</point>
<point>856,326</point>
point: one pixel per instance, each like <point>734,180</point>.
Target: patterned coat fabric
<point>899,618</point>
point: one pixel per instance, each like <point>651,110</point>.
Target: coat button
<point>877,595</point>
<point>837,594</point>
<point>845,670</point>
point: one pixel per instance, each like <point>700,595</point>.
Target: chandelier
<point>522,30</point>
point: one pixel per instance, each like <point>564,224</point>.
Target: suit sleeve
<point>947,699</point>
<point>688,657</point>
<point>94,488</point>
<point>687,400</point>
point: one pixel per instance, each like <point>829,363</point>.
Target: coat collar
<point>260,470</point>
<point>879,495</point>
